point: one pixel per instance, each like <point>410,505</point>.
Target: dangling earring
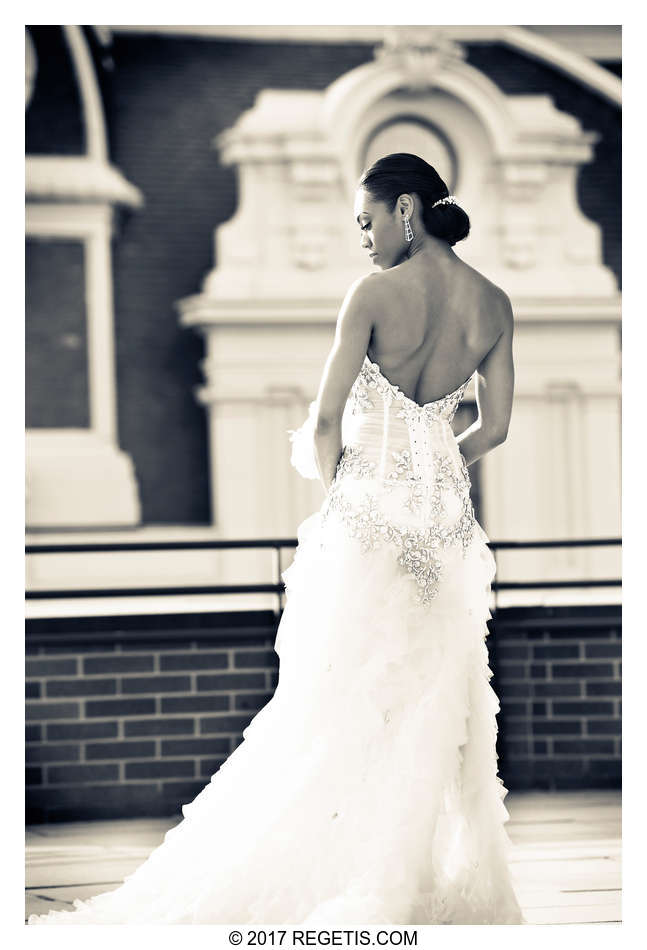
<point>408,233</point>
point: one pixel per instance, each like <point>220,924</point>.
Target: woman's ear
<point>406,205</point>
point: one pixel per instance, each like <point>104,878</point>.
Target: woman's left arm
<point>354,327</point>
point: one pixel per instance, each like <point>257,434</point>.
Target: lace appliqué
<point>354,462</point>
<point>367,383</point>
<point>418,548</point>
<point>370,382</point>
<point>402,474</point>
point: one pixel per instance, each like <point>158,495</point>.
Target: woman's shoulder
<point>369,291</point>
<point>489,292</point>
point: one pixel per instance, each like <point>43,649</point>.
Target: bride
<point>366,791</point>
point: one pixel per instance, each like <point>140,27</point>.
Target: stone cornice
<point>77,178</point>
<point>602,42</point>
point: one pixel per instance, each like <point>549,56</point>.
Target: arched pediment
<point>299,154</point>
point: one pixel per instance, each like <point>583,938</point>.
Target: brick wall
<point>131,715</point>
<point>137,726</point>
<point>558,676</point>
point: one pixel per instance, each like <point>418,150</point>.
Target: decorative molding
<point>77,178</point>
<point>96,143</point>
<point>419,53</point>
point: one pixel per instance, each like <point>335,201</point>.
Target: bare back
<point>433,334</point>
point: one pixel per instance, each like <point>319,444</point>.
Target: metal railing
<point>276,587</point>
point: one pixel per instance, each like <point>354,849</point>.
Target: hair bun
<point>447,221</point>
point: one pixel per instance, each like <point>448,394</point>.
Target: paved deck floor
<point>566,862</point>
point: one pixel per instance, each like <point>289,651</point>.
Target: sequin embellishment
<point>417,547</point>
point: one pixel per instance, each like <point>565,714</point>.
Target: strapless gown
<point>366,791</point>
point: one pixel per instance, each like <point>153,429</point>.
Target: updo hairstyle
<point>402,173</point>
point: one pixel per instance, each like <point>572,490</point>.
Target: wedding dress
<point>366,791</point>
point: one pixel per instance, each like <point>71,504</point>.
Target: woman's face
<point>382,231</point>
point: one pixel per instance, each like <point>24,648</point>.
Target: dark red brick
<point>53,753</point>
<point>33,776</point>
<point>194,661</point>
<point>252,700</point>
<point>119,750</point>
<point>553,768</point>
<point>81,730</point>
<point>72,650</point>
<point>120,707</point>
<point>118,663</point>
<point>611,768</point>
<point>256,658</point>
<point>32,690</point>
<point>610,650</point>
<point>81,687</point>
<point>583,746</point>
<point>539,709</point>
<point>583,670</point>
<point>178,704</point>
<point>551,726</point>
<point>583,708</point>
<point>51,667</point>
<point>516,747</point>
<point>77,802</point>
<point>517,726</point>
<point>155,684</point>
<point>210,766</point>
<point>184,747</point>
<point>166,769</point>
<point>555,651</point>
<point>511,671</point>
<point>33,733</point>
<point>224,724</point>
<point>512,708</point>
<point>538,671</point>
<point>232,681</point>
<point>556,689</point>
<point>71,774</point>
<point>52,711</point>
<point>540,746</point>
<point>182,792</point>
<point>159,727</point>
<point>513,689</point>
<point>509,651</point>
<point>605,727</point>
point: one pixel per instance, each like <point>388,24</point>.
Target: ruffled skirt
<point>366,791</point>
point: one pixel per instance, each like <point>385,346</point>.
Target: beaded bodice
<point>401,479</point>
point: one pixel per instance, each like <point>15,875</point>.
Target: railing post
<point>276,558</point>
<point>496,579</point>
